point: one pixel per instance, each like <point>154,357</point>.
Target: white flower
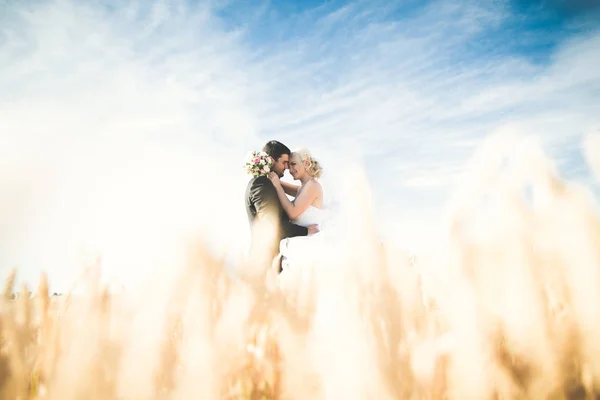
<point>267,169</point>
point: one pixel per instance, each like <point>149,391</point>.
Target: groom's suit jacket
<point>262,201</point>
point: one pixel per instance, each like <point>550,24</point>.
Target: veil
<point>332,185</point>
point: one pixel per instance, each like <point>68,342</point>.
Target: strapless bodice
<point>311,216</point>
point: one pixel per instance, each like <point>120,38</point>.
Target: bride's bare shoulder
<point>314,185</point>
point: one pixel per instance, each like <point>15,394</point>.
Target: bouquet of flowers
<point>258,163</point>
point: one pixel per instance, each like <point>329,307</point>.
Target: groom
<point>262,201</point>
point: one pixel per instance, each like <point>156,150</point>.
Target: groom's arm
<point>294,230</point>
<point>264,197</point>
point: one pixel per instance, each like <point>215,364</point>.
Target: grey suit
<point>262,200</point>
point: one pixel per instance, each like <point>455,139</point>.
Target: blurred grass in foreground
<point>509,308</point>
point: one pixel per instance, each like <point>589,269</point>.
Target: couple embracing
<point>267,197</point>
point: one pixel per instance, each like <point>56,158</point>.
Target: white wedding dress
<point>297,251</point>
<point>311,216</point>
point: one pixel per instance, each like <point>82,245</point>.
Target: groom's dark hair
<point>276,149</point>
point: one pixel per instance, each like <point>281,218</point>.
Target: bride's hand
<point>274,178</point>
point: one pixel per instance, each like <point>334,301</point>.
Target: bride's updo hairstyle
<point>312,166</point>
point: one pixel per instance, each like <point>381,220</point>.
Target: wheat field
<point>507,307</point>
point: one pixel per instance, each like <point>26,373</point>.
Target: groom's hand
<point>312,229</point>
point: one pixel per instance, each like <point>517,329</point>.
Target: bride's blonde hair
<point>313,168</point>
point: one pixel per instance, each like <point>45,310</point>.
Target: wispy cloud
<point>130,110</point>
<point>411,86</point>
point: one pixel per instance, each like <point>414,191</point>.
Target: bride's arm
<point>290,188</point>
<point>301,203</point>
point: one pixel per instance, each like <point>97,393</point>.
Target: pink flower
<point>256,160</point>
<point>262,171</point>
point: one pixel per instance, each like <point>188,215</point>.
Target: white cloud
<point>120,129</point>
<point>411,88</point>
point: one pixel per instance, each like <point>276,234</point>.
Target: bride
<point>307,207</point>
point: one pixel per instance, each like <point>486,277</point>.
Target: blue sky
<point>110,115</point>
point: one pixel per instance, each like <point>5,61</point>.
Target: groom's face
<point>281,164</point>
